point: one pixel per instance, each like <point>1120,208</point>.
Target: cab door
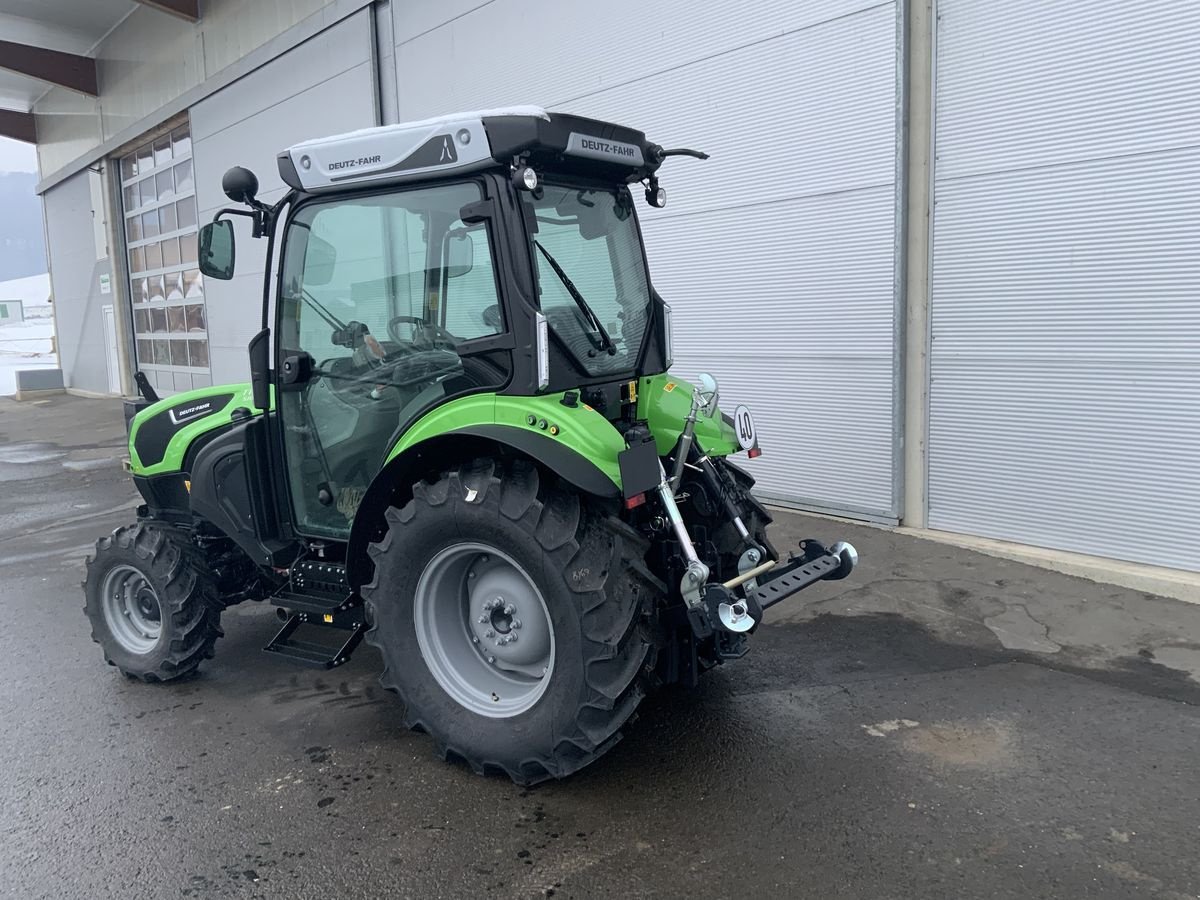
<point>388,305</point>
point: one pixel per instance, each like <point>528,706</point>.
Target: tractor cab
<point>418,263</point>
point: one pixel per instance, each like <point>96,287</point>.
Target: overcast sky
<point>17,156</point>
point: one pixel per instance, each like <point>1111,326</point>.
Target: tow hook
<point>721,610</point>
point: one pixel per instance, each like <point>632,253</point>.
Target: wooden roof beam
<point>65,69</point>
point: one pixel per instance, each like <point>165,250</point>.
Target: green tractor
<point>463,443</point>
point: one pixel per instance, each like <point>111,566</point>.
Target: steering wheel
<point>425,336</point>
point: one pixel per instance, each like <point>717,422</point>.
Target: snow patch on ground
<point>26,345</point>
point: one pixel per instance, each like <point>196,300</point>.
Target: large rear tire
<point>489,551</point>
<point>153,607</point>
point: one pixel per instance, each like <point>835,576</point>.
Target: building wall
<point>150,59</point>
<point>323,86</point>
<point>778,254</point>
<point>75,283</point>
<point>1065,299</point>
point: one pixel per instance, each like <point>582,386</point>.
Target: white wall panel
<point>778,253</point>
<point>323,86</point>
<point>68,125</point>
<point>1030,83</point>
<point>1065,302</point>
<point>75,282</point>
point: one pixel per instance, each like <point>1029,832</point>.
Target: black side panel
<point>154,434</point>
<point>231,491</point>
<point>166,496</point>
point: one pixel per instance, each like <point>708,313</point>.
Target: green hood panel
<point>159,435</point>
<point>664,402</point>
<point>579,428</point>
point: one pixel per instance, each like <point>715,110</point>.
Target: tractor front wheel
<point>152,606</point>
<point>515,619</point>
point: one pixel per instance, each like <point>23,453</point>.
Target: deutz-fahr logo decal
<point>598,148</point>
<point>355,163</point>
<point>181,414</point>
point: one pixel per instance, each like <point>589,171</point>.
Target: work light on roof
<point>525,178</point>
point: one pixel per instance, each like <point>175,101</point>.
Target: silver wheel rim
<point>484,630</point>
<point>131,609</point>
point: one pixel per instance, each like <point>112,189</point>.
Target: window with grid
<point>166,287</point>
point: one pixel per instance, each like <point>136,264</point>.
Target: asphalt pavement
<point>943,724</point>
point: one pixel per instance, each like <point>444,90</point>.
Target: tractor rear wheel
<point>515,619</point>
<point>153,608</point>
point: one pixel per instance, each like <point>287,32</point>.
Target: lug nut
<point>512,639</point>
<point>509,609</point>
<point>489,633</point>
<point>516,623</point>
<point>482,620</point>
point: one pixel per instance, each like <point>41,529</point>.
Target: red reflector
<point>754,453</point>
<point>635,501</point>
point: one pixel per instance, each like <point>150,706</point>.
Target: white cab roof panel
<point>450,143</point>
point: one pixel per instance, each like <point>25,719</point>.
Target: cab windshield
<point>591,274</point>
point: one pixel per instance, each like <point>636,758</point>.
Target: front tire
<point>153,608</point>
<point>481,546</point>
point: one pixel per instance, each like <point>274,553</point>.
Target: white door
<point>1065,394</point>
<point>777,255</point>
<point>110,343</point>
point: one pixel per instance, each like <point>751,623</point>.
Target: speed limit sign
<point>743,424</point>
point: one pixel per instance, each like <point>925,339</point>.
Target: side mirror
<point>240,185</point>
<point>709,396</point>
<point>320,256</point>
<point>460,254</point>
<point>216,256</point>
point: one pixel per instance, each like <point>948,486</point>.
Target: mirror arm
<point>260,217</point>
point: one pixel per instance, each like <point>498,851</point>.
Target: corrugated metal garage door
<point>324,86</point>
<point>778,254</point>
<point>1065,400</point>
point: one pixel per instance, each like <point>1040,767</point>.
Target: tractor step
<point>317,588</point>
<point>314,653</point>
<point>312,604</point>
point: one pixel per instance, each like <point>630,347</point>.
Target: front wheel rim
<point>484,630</point>
<point>131,609</point>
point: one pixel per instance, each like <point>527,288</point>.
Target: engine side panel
<point>160,435</point>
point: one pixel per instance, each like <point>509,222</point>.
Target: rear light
<point>635,501</point>
<point>754,453</point>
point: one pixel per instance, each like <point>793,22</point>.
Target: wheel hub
<point>131,609</point>
<point>484,630</point>
<point>506,624</point>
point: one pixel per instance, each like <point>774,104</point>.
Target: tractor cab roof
<point>469,142</point>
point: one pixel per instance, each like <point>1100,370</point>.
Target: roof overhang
<point>52,43</point>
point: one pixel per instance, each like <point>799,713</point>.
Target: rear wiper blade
<point>593,320</point>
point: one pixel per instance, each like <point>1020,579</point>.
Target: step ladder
<point>317,598</point>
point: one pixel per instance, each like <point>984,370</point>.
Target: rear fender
<point>575,442</point>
